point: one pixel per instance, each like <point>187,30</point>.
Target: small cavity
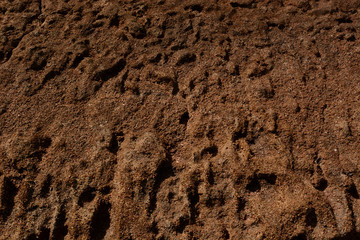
<point>212,151</point>
<point>322,184</point>
<point>353,191</point>
<point>186,58</point>
<point>115,20</point>
<point>115,141</point>
<point>269,178</point>
<point>45,188</point>
<point>87,196</point>
<point>105,190</point>
<point>194,7</point>
<point>301,236</point>
<point>60,229</point>
<point>253,185</point>
<point>240,204</point>
<point>184,118</point>
<point>311,218</point>
<point>182,223</point>
<point>225,234</point>
<point>100,221</point>
<point>7,198</point>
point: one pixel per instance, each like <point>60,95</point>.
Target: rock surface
<point>182,119</point>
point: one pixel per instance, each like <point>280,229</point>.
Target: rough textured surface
<point>165,119</point>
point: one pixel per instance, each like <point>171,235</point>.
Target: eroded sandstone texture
<point>179,119</point>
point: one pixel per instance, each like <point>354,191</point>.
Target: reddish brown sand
<point>178,119</point>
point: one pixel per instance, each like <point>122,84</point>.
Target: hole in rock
<point>7,198</point>
<point>184,118</point>
<point>353,191</point>
<point>253,185</point>
<point>269,178</point>
<point>100,221</point>
<point>212,151</point>
<point>45,188</point>
<point>86,196</point>
<point>60,230</point>
<point>301,236</point>
<point>321,185</point>
<point>311,218</point>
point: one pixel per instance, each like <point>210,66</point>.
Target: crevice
<point>301,236</point>
<point>311,218</point>
<point>212,151</point>
<point>181,224</point>
<point>29,194</point>
<point>115,21</point>
<point>194,198</point>
<point>60,229</point>
<point>115,141</point>
<point>44,234</point>
<point>113,71</point>
<point>191,85</point>
<point>105,190</point>
<point>186,58</point>
<point>38,146</point>
<point>210,176</point>
<point>40,60</point>
<point>155,59</point>
<point>80,57</point>
<point>262,70</point>
<point>32,237</point>
<point>41,143</point>
<point>352,191</point>
<point>241,132</point>
<point>9,192</point>
<point>253,185</point>
<point>344,19</point>
<point>120,84</point>
<point>353,235</point>
<point>40,7</point>
<point>269,178</point>
<point>240,206</point>
<point>47,77</point>
<point>87,196</point>
<point>175,89</point>
<point>266,93</point>
<point>246,4</point>
<point>225,234</point>
<point>37,155</point>
<point>321,185</point>
<point>14,44</point>
<point>45,186</point>
<point>194,7</point>
<point>100,221</point>
<point>163,172</point>
<point>184,118</point>
<point>50,75</point>
<point>154,228</point>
